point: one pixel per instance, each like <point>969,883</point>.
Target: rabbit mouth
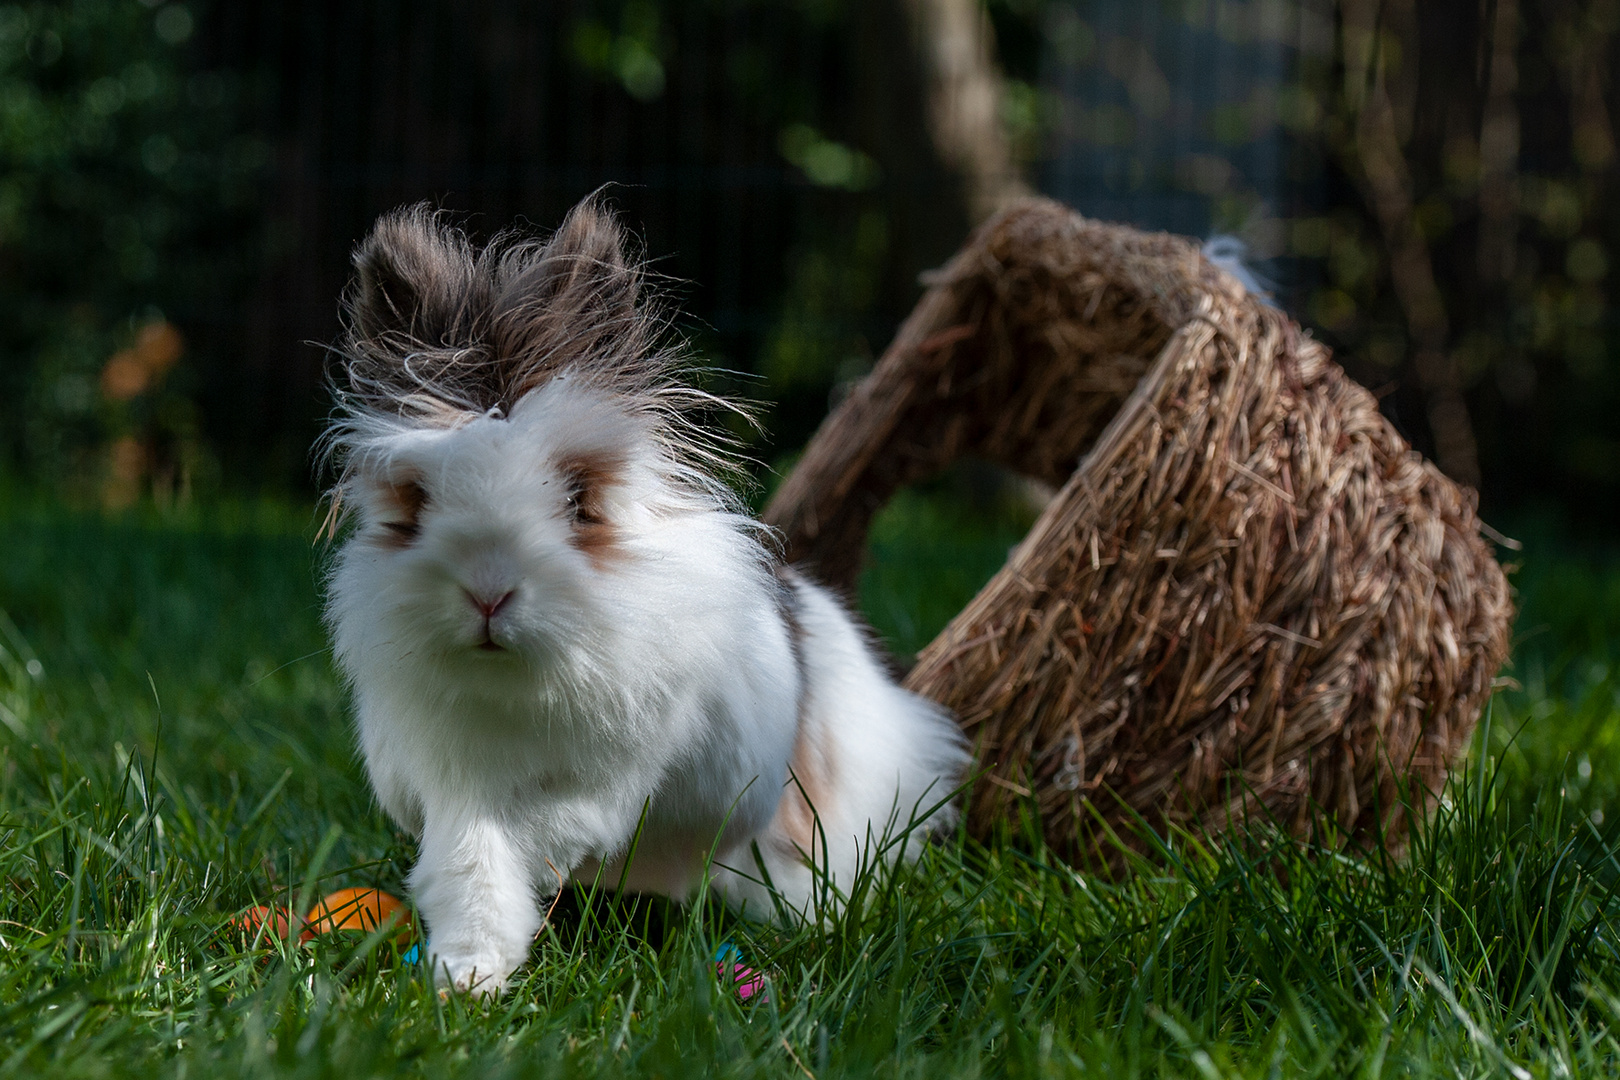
<point>490,645</point>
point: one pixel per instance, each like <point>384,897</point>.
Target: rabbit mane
<point>437,333</point>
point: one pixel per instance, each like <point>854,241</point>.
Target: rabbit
<point>562,634</point>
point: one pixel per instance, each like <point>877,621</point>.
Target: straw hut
<point>1249,590</point>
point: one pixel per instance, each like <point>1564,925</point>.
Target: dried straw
<point>1251,589</point>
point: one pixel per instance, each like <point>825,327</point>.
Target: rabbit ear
<point>437,331</point>
<point>574,302</point>
<point>582,272</point>
<point>416,280</point>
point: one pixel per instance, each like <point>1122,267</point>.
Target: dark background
<point>209,166</point>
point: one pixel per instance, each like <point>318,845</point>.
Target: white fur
<point>662,678</point>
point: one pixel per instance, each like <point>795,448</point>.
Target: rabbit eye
<point>583,501</point>
<point>586,482</point>
<point>402,512</point>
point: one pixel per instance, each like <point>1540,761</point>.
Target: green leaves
<point>127,182</point>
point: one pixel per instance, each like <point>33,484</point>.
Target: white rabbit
<point>557,623</point>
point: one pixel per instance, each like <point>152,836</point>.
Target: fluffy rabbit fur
<point>556,621</point>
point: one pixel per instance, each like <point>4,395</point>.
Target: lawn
<point>174,747</point>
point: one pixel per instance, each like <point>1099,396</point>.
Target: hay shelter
<point>1248,588</point>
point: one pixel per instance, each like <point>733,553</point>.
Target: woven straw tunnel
<point>1249,587</point>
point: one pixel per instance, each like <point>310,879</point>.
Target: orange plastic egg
<point>272,921</point>
<point>359,909</point>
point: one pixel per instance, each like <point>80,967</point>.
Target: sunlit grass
<point>929,552</point>
<point>174,747</point>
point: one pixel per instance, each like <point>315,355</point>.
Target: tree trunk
<point>964,96</point>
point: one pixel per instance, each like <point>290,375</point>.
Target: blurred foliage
<point>631,52</point>
<point>832,281</point>
<point>136,192</point>
<point>1446,217</point>
<point>128,191</point>
<point>1505,174</point>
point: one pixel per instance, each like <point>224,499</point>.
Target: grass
<point>174,747</point>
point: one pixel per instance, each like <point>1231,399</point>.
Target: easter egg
<point>359,909</point>
<point>273,921</point>
<point>746,981</point>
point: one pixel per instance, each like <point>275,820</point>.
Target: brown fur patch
<point>589,476</point>
<point>810,770</point>
<point>400,513</point>
<point>808,792</point>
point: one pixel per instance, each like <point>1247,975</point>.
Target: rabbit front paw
<point>480,972</point>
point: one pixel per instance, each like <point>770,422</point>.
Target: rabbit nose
<point>488,607</point>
